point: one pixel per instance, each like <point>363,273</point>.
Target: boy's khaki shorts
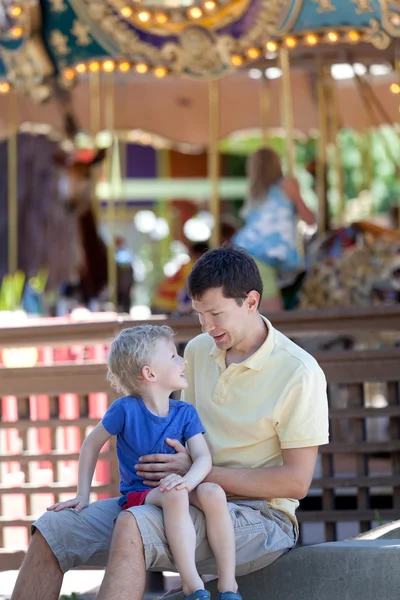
<point>84,538</point>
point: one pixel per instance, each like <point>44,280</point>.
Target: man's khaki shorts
<point>84,538</point>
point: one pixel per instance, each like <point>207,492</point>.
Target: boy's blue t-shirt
<point>140,432</point>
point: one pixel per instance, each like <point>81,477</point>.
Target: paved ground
<point>84,583</point>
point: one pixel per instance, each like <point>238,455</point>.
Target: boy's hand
<point>153,468</point>
<point>76,503</point>
<point>174,481</point>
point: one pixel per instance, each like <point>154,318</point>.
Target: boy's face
<point>168,367</point>
<point>223,318</point>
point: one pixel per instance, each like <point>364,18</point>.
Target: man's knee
<point>211,495</point>
<point>40,553</point>
<point>127,527</point>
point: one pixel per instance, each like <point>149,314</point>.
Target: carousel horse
<point>349,268</point>
<point>57,231</point>
<point>75,195</point>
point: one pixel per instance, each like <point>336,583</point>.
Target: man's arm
<point>291,480</point>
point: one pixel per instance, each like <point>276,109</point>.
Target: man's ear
<point>253,300</point>
<point>148,374</point>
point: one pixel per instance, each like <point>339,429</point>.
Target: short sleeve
<point>302,414</point>
<point>114,419</point>
<point>193,425</point>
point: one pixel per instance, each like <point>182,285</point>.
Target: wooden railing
<point>359,476</point>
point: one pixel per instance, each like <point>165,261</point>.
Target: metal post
<point>113,163</point>
<point>12,183</point>
<point>322,156</point>
<point>287,110</point>
<point>264,109</point>
<point>95,123</point>
<point>213,158</point>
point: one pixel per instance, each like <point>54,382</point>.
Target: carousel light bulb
<point>126,12</point>
<point>333,36</point>
<point>161,18</point>
<point>395,88</point>
<point>81,68</point>
<point>237,60</point>
<point>210,5</point>
<point>124,66</point>
<point>353,36</point>
<point>16,32</point>
<point>69,74</point>
<point>272,46</point>
<point>141,68</point>
<point>14,11</point>
<point>160,72</point>
<point>195,12</point>
<point>253,53</point>
<point>94,67</point>
<point>290,42</point>
<point>144,16</point>
<point>108,66</point>
<point>311,39</point>
<point>4,87</point>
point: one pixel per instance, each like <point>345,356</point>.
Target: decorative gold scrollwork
<point>377,36</point>
<point>324,6</point>
<point>364,6</point>
<point>390,10</point>
<point>198,52</point>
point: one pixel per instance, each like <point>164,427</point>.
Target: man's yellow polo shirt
<point>251,411</point>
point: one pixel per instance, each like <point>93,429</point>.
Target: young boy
<point>143,364</point>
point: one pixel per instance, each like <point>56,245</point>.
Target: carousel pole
<point>114,165</point>
<point>397,65</point>
<point>213,158</point>
<point>12,183</point>
<point>94,120</point>
<point>322,151</point>
<point>334,135</point>
<point>264,109</point>
<point>287,110</point>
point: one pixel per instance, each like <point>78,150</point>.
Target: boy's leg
<point>180,533</point>
<point>211,499</point>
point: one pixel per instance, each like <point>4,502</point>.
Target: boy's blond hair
<point>130,351</point>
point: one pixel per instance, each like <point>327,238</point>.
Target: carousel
<point>97,98</point>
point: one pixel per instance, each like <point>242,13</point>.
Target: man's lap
<point>84,538</point>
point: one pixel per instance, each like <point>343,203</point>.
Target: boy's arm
<point>87,462</point>
<point>199,469</point>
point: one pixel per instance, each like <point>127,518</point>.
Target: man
<point>263,403</point>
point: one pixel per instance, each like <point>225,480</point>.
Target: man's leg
<point>40,577</point>
<point>62,541</point>
<point>125,575</point>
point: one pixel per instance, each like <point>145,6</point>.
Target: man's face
<point>223,318</point>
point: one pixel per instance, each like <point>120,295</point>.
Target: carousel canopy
<point>61,39</point>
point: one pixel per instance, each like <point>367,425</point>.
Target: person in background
<point>267,184</point>
<point>170,294</point>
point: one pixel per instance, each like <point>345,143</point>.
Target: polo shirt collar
<point>257,360</point>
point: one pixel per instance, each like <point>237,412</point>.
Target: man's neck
<point>256,334</point>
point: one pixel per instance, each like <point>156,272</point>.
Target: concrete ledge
<point>10,560</point>
<point>351,570</point>
<point>390,531</point>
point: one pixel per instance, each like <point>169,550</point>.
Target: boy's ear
<point>148,374</point>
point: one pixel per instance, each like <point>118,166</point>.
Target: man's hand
<point>155,467</point>
<point>77,503</point>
